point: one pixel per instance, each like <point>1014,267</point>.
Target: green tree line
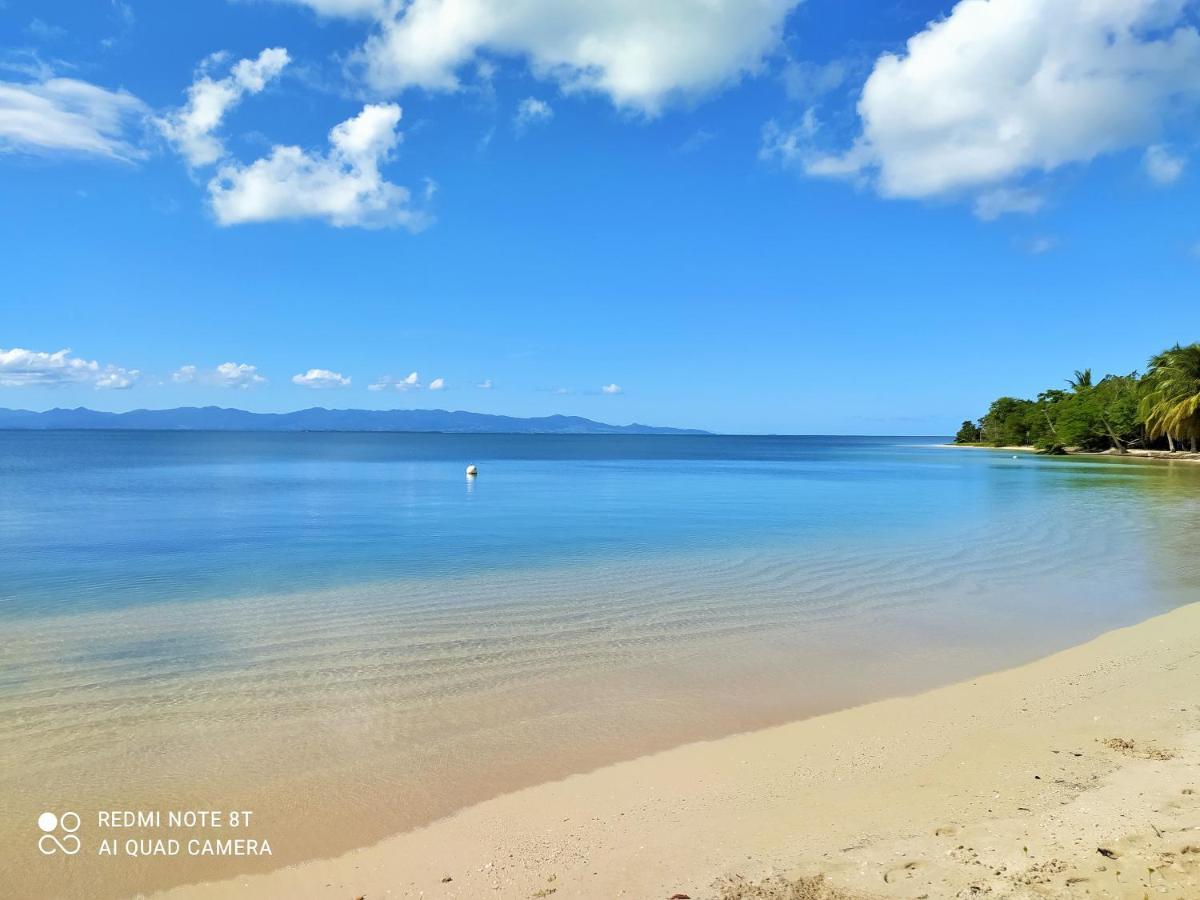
<point>1160,409</point>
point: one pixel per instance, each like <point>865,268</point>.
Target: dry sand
<point>1074,776</point>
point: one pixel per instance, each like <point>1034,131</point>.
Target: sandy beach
<point>1073,776</point>
<point>1184,456</point>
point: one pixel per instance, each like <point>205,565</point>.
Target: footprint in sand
<point>903,871</point>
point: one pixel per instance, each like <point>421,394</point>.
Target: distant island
<point>216,418</point>
<point>1159,410</point>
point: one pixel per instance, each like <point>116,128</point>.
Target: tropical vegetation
<point>1157,410</point>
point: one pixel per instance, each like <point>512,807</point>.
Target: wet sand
<point>1076,775</point>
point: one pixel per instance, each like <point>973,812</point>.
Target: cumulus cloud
<point>638,54</point>
<point>611,389</point>
<point>343,186</point>
<point>237,375</point>
<point>1161,165</point>
<point>486,384</point>
<point>438,384</point>
<point>321,378</point>
<point>191,127</point>
<point>226,375</point>
<point>71,116</point>
<point>999,89</point>
<point>32,368</point>
<point>410,382</point>
<point>532,111</point>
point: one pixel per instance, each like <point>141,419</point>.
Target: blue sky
<point>752,216</point>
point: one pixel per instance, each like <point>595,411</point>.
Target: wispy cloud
<point>1002,201</point>
<point>44,31</point>
<point>65,115</point>
<point>241,376</point>
<point>410,382</point>
<point>532,111</point>
<point>1043,244</point>
<point>1162,165</point>
<point>696,140</point>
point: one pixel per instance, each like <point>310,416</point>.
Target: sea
<point>348,637</point>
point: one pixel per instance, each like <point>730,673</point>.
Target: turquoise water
<point>109,519</point>
<point>346,634</point>
<point>100,520</point>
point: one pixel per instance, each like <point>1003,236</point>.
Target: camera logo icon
<point>59,834</point>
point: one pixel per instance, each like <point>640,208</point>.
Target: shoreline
<point>1134,453</point>
<point>1074,773</point>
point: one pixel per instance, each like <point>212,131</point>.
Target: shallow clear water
<point>344,633</point>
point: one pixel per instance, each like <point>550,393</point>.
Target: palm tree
<point>1082,380</point>
<point>1170,403</point>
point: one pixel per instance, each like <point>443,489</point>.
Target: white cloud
<point>999,89</point>
<point>67,115</point>
<point>486,384</point>
<point>1161,165</point>
<point>190,128</point>
<point>532,111</point>
<point>346,8</point>
<point>237,375</point>
<point>438,384</point>
<point>638,54</point>
<point>44,31</point>
<point>790,146</point>
<point>32,368</point>
<point>611,389</point>
<point>344,186</point>
<point>806,82</point>
<point>696,140</point>
<point>1000,201</point>
<point>226,375</point>
<point>321,378</point>
<point>410,382</point>
<point>116,379</point>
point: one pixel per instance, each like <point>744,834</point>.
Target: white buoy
<point>472,471</point>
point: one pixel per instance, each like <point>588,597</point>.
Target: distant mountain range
<point>215,418</point>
